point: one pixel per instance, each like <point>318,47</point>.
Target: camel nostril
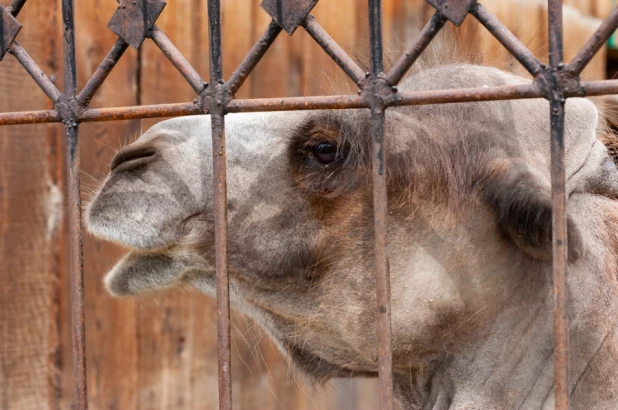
<point>132,157</point>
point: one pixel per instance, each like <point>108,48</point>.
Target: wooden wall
<point>160,352</point>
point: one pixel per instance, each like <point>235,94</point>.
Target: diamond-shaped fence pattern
<point>134,21</point>
<point>288,14</point>
<point>9,27</point>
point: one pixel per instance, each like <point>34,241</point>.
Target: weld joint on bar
<point>378,93</point>
<point>219,99</point>
<point>561,80</point>
<point>69,110</point>
<point>214,98</point>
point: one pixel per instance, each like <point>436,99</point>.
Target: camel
<point>469,240</point>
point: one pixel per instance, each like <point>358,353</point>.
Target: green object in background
<point>612,43</point>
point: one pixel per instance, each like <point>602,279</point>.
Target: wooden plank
<point>25,251</point>
<point>30,227</point>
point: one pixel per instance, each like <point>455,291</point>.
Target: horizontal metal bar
<point>253,57</point>
<point>15,7</point>
<point>102,72</point>
<point>600,87</point>
<point>333,49</point>
<point>402,98</point>
<point>141,111</point>
<point>297,103</point>
<point>177,59</point>
<point>506,92</point>
<point>34,70</point>
<point>29,117</point>
<point>417,47</point>
<point>507,39</point>
<point>594,44</point>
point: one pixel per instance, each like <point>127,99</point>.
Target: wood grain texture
<point>159,352</point>
<point>30,228</point>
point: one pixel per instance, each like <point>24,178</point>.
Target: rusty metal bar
<point>253,57</point>
<point>601,87</point>
<point>140,111</point>
<point>559,219</point>
<point>15,7</point>
<point>336,53</point>
<point>177,59</point>
<point>594,44</point>
<point>380,209</point>
<point>402,98</point>
<point>102,71</point>
<point>67,110</point>
<point>506,92</point>
<point>297,103</point>
<point>588,89</point>
<point>216,104</point>
<point>414,51</point>
<point>507,39</point>
<point>29,117</point>
<point>34,70</point>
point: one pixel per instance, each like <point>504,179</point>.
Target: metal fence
<point>134,21</point>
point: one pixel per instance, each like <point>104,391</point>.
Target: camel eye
<point>325,153</point>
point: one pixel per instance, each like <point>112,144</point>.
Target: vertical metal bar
<point>559,220</point>
<point>75,212</point>
<point>217,112</point>
<point>380,210</point>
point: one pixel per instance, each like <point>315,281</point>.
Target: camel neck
<point>517,372</point>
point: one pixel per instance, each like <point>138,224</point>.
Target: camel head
<point>469,236</point>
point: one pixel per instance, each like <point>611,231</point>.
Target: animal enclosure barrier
<point>134,21</point>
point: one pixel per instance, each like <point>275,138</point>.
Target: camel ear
<point>522,201</point>
<point>143,272</point>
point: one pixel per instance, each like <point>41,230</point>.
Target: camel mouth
<point>108,218</point>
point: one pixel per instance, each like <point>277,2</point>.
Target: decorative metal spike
<point>134,18</point>
<point>9,27</point>
<point>454,10</point>
<point>288,13</point>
